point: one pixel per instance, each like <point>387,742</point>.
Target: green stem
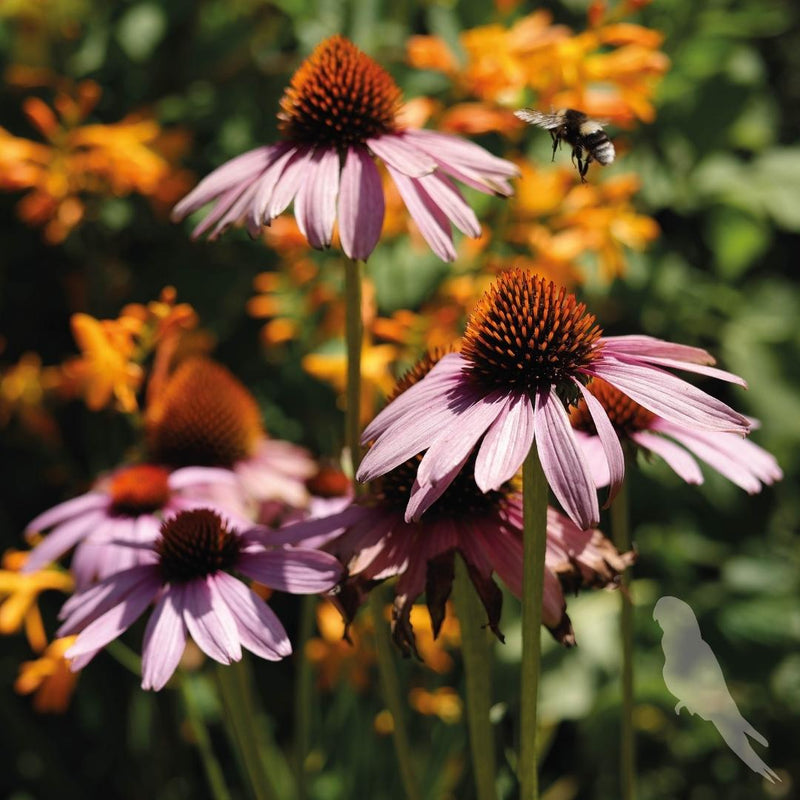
<point>477,653</point>
<point>354,335</point>
<point>123,655</point>
<point>304,693</point>
<point>240,722</point>
<point>534,504</point>
<point>620,526</point>
<point>216,779</point>
<point>390,685</point>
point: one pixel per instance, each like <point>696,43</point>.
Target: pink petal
<point>447,369</point>
<point>260,630</point>
<point>477,180</point>
<point>315,204</point>
<point>313,533</point>
<point>645,347</point>
<point>431,220</point>
<point>116,620</point>
<point>506,444</point>
<point>446,196</point>
<point>455,150</point>
<point>423,496</point>
<point>221,208</point>
<point>288,184</point>
<point>676,457</point>
<point>189,477</point>
<point>504,551</point>
<point>401,156</point>
<point>233,173</point>
<point>670,397</point>
<point>608,439</point>
<point>457,440</point>
<point>62,539</point>
<point>562,461</point>
<point>595,456</point>
<point>164,640</point>
<point>365,541</point>
<point>266,187</point>
<point>209,621</point>
<point>295,571</point>
<point>237,212</point>
<point>700,369</point>
<point>361,205</point>
<point>67,509</point>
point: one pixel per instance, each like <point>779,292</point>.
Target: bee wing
<point>547,121</point>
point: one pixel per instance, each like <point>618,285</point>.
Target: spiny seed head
<point>204,417</point>
<point>338,97</point>
<point>626,415</point>
<point>526,333</point>
<point>141,489</point>
<point>194,544</point>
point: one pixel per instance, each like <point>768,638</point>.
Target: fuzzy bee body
<point>584,134</point>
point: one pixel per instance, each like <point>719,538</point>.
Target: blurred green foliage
<point>721,174</point>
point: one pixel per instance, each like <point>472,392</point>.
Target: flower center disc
<point>626,415</point>
<point>194,544</point>
<point>526,333</point>
<point>338,97</point>
<point>205,417</point>
<point>137,490</point>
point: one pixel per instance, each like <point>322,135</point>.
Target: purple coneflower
<point>375,542</point>
<point>338,115</point>
<point>528,351</point>
<point>205,415</point>
<point>739,460</point>
<point>123,510</point>
<point>189,579</point>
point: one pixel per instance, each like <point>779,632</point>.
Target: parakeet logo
<point>692,673</point>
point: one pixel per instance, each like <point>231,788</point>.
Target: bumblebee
<point>577,129</point>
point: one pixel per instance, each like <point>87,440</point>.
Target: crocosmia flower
<point>339,116</point>
<point>193,576</point>
<point>529,350</point>
<point>739,460</point>
<point>120,512</point>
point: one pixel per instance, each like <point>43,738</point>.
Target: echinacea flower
<point>189,577</point>
<point>121,511</point>
<point>338,115</point>
<point>528,351</point>
<point>739,460</point>
<point>206,416</point>
<point>375,542</point>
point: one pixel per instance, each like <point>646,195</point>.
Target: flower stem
<point>354,335</point>
<point>216,780</point>
<point>303,694</point>
<point>534,505</point>
<point>234,680</point>
<point>477,653</point>
<point>620,526</point>
<point>390,685</point>
<point>123,655</point>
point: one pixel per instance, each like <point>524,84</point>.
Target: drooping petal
<point>164,640</point>
<point>562,462</point>
<point>361,205</point>
<point>313,533</point>
<point>238,170</point>
<point>260,630</point>
<point>238,211</point>
<point>401,156</point>
<point>676,457</point>
<point>595,456</point>
<point>608,439</point>
<point>209,621</point>
<point>221,208</point>
<point>69,508</point>
<point>62,539</point>
<point>670,397</point>
<point>650,347</point>
<point>189,477</point>
<point>431,220</point>
<point>315,204</point>
<point>476,180</point>
<point>266,187</point>
<point>673,363</point>
<point>296,571</point>
<point>447,369</point>
<point>456,441</point>
<point>446,196</point>
<point>116,620</point>
<point>506,444</point>
<point>289,181</point>
<point>423,496</point>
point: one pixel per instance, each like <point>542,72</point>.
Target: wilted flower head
<point>739,460</point>
<point>189,576</point>
<point>338,115</point>
<point>206,416</point>
<point>528,352</point>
